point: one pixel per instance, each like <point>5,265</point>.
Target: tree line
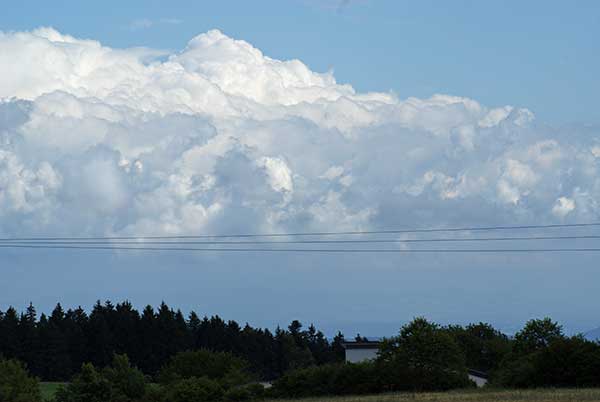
<point>424,356</point>
<point>169,357</point>
<point>198,376</point>
<point>55,347</point>
<point>427,357</point>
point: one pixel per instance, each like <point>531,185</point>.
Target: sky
<point>184,118</point>
<point>543,55</point>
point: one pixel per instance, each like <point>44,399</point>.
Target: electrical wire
<point>372,232</point>
<point>300,250</point>
<point>257,242</point>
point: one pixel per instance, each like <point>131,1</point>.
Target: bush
<point>332,379</point>
<point>16,385</point>
<point>224,368</point>
<point>562,362</point>
<point>117,383</point>
<point>238,394</point>
<point>248,392</point>
<point>516,372</point>
<point>484,346</point>
<point>424,357</point>
<point>155,393</point>
<point>87,386</point>
<point>194,390</point>
<point>127,383</point>
<point>356,379</point>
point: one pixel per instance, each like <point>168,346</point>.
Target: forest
<point>54,347</point>
<point>117,354</point>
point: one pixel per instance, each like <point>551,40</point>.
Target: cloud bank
<point>220,138</point>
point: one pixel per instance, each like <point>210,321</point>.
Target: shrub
<point>224,368</point>
<point>154,393</point>
<point>15,383</point>
<point>127,383</point>
<point>238,394</point>
<point>536,335</point>
<point>87,386</point>
<point>117,383</point>
<point>332,379</point>
<point>194,390</point>
<point>248,392</point>
<point>562,362</point>
<point>423,357</point>
<point>484,346</point>
<point>356,379</point>
<point>516,372</point>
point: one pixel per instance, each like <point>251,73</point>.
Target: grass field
<point>49,389</point>
<point>538,395</point>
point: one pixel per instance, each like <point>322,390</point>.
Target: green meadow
<point>536,395</point>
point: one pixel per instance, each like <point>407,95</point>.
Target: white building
<point>361,351</point>
<point>357,352</point>
<point>478,377</point>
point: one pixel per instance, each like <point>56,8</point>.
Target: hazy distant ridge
<point>593,335</point>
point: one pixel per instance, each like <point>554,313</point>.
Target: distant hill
<point>593,335</point>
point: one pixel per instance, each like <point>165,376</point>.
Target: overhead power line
<point>141,241</point>
<point>344,233</point>
<point>301,250</point>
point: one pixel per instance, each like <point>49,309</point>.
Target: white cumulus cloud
<point>563,206</point>
<point>218,137</point>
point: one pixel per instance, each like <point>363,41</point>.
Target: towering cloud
<point>220,137</point>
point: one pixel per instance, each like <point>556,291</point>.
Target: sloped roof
<point>361,345</point>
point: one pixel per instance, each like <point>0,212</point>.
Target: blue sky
<point>543,55</point>
<point>100,137</point>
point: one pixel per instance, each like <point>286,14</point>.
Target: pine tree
<point>28,339</point>
<point>99,337</point>
<point>75,328</point>
<point>148,360</point>
<point>126,330</point>
<point>9,336</point>
<point>57,349</point>
<point>338,353</point>
<point>193,326</point>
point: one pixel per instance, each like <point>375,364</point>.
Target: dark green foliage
<point>55,361</point>
<point>54,347</point>
<point>154,393</point>
<point>195,390</point>
<point>238,394</point>
<point>516,372</point>
<point>292,351</point>
<point>211,358</point>
<point>118,382</point>
<point>536,335</point>
<point>542,356</point>
<point>569,362</point>
<point>483,346</point>
<point>28,338</point>
<point>222,367</point>
<point>127,383</point>
<point>190,376</point>
<point>422,357</point>
<point>250,392</point>
<point>9,335</point>
<point>331,379</point>
<point>338,354</point>
<point>208,376</point>
<point>15,383</point>
<point>87,386</point>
